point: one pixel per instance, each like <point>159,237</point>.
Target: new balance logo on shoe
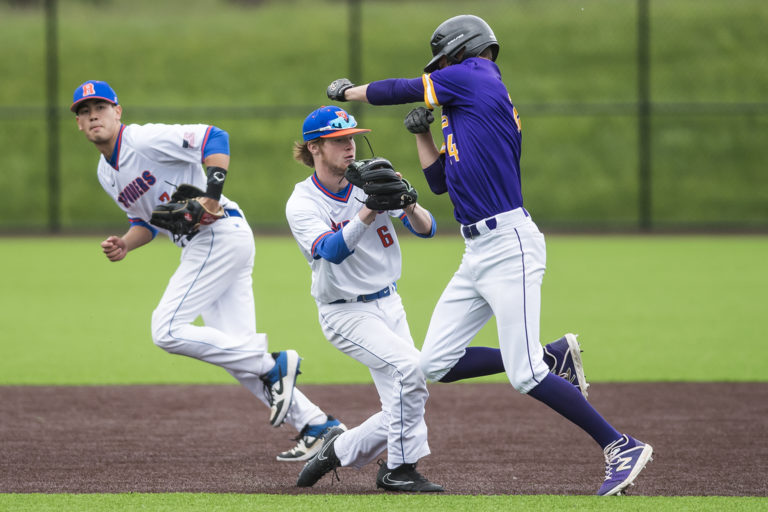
<point>624,463</point>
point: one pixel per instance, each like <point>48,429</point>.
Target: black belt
<point>471,231</point>
<point>385,292</point>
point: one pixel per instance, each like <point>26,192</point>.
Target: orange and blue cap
<point>327,122</point>
<point>90,90</point>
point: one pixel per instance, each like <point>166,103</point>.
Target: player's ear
<point>118,112</point>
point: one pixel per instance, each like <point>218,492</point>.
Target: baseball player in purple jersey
<point>354,255</point>
<point>505,257</point>
<point>140,167</point>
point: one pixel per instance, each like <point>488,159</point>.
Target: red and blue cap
<point>93,90</point>
<point>327,122</point>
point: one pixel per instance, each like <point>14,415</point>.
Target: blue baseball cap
<point>329,122</point>
<point>92,89</point>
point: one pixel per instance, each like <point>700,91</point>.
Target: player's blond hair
<point>302,154</point>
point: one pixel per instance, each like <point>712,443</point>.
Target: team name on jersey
<point>137,188</point>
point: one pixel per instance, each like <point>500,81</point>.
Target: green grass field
<point>379,503</point>
<point>680,308</point>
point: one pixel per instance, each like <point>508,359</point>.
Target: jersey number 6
<point>386,238</point>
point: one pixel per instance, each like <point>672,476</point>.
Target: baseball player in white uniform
<point>355,259</point>
<point>140,167</point>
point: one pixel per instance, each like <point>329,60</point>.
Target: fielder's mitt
<point>386,190</point>
<point>338,87</point>
<point>184,214</point>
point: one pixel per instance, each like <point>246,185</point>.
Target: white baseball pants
<point>214,280</point>
<point>376,334</point>
<point>500,274</point>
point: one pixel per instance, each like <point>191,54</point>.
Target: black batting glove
<point>337,88</point>
<point>418,120</point>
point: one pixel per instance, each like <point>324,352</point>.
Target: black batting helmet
<point>465,31</point>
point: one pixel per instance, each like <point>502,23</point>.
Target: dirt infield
<point>709,439</point>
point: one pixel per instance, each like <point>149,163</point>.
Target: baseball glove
<point>385,188</point>
<point>184,214</point>
<point>337,88</point>
<point>418,120</point>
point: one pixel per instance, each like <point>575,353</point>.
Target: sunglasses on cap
<point>335,124</point>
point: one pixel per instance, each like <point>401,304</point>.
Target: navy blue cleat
<point>625,458</point>
<point>564,359</point>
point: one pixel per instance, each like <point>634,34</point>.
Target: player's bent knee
<point>411,371</point>
<point>161,331</point>
<point>432,371</point>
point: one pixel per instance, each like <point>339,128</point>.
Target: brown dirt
<point>709,439</point>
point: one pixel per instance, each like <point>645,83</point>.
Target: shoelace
<point>568,376</point>
<point>611,453</point>
<point>268,394</point>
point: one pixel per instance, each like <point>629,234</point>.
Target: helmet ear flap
<point>456,57</point>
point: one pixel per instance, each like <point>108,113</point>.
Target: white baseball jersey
<point>314,213</point>
<point>214,277</point>
<point>150,162</point>
<point>373,331</point>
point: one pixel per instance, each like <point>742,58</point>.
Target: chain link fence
<point>642,115</point>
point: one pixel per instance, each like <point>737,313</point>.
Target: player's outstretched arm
<point>115,248</point>
<point>357,93</point>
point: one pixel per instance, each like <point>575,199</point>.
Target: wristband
<point>353,232</point>
<point>216,177</point>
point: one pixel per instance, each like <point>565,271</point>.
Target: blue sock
<point>565,398</point>
<point>477,362</point>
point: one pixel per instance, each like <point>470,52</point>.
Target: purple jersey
<point>481,130</point>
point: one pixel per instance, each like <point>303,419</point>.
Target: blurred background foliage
<point>256,68</point>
